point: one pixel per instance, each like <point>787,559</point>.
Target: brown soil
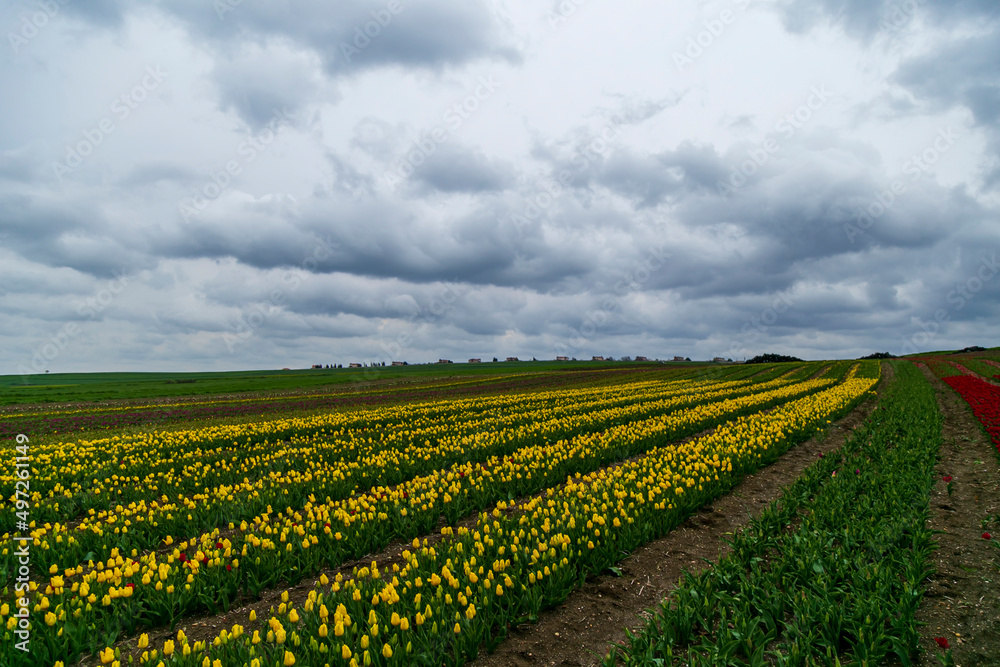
<point>579,631</point>
<point>962,602</point>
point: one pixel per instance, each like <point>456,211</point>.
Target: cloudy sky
<point>235,184</point>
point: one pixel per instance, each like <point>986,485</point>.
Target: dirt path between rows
<point>962,602</point>
<point>578,632</point>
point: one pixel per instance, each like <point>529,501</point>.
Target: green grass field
<point>85,387</point>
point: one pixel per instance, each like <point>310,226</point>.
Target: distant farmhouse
<point>562,358</point>
<point>641,359</point>
<point>399,363</point>
<point>354,366</point>
<point>719,359</point>
<point>513,359</point>
<point>598,359</point>
<point>444,361</point>
<point>678,358</point>
<point>475,361</point>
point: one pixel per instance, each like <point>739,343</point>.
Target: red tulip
<point>946,478</point>
<point>942,642</point>
<point>987,536</point>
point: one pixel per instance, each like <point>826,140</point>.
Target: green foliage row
<point>840,589</point>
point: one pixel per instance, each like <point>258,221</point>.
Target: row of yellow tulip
<point>449,599</point>
<point>396,456</point>
<point>64,470</point>
<point>134,592</point>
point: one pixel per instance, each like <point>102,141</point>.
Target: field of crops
<point>418,525</point>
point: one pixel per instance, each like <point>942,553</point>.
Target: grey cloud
<point>428,35</point>
<point>453,168</point>
<point>156,173</point>
<point>961,72</point>
<point>866,18</point>
<point>257,84</point>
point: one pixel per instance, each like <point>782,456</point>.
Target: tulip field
<point>122,523</point>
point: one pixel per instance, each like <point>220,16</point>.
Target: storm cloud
<point>196,185</point>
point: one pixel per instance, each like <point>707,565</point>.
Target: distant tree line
<point>771,359</point>
<point>879,355</point>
